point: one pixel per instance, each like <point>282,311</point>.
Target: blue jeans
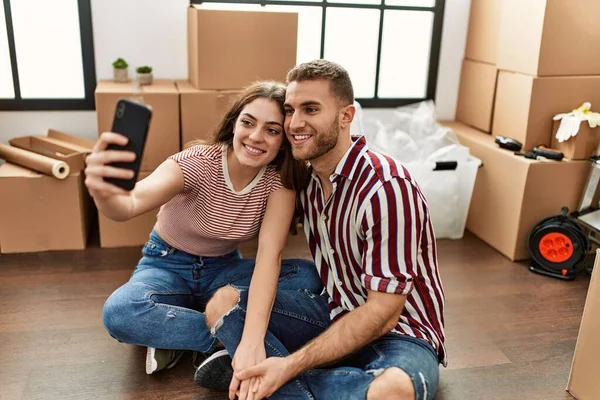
<point>299,316</point>
<point>160,306</point>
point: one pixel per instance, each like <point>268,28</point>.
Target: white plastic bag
<point>414,138</point>
<point>413,133</point>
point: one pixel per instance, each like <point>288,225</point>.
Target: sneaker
<point>197,358</point>
<point>215,372</point>
<point>158,359</point>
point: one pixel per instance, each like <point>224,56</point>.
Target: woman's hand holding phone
<point>97,167</point>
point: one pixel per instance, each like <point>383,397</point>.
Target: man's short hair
<point>339,80</point>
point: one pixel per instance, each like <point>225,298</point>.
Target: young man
<point>377,331</point>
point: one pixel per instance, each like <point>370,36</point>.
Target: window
<point>389,47</point>
<point>46,55</point>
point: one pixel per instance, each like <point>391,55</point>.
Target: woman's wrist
<point>253,339</point>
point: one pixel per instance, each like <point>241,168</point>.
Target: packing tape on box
<point>45,165</point>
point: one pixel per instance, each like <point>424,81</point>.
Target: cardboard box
<point>584,145</point>
<point>549,37</point>
<point>583,381</point>
<point>512,193</point>
<point>134,232</point>
<point>163,134</point>
<point>231,49</point>
<point>58,145</point>
<point>483,31</point>
<point>476,93</point>
<point>525,105</point>
<point>40,213</point>
<point>202,111</point>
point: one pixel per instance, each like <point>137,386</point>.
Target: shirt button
<point>331,251</point>
<point>323,217</point>
<point>340,283</point>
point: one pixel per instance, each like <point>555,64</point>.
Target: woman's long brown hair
<point>294,174</point>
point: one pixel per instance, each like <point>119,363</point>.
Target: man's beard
<point>322,143</point>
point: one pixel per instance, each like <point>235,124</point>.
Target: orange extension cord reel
<point>558,247</point>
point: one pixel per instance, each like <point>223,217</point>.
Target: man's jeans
<point>298,316</point>
<point>158,306</point>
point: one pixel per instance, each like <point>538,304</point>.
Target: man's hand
<point>247,355</point>
<point>272,374</point>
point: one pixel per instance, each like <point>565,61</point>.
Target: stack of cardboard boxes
<point>524,63</point>
<point>227,50</point>
<point>39,212</point>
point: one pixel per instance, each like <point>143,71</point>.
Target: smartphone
<point>132,119</point>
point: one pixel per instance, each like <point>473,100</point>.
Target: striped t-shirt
<point>375,233</point>
<point>209,217</point>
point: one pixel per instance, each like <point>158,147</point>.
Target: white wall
<point>454,37</point>
<point>155,34</point>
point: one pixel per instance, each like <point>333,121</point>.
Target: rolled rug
<point>45,165</point>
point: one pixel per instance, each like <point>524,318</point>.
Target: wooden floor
<point>511,333</point>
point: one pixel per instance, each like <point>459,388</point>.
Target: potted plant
<point>120,71</point>
<point>144,74</point>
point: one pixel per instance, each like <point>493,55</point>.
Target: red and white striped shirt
<point>375,233</point>
<point>209,217</point>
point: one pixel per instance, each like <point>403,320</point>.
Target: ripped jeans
<point>160,306</point>
<point>298,316</point>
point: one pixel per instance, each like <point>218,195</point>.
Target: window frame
<point>88,62</point>
<point>372,102</point>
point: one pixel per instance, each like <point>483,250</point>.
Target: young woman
<point>212,197</point>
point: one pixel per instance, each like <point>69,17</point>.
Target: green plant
<point>120,63</point>
<point>144,69</point>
